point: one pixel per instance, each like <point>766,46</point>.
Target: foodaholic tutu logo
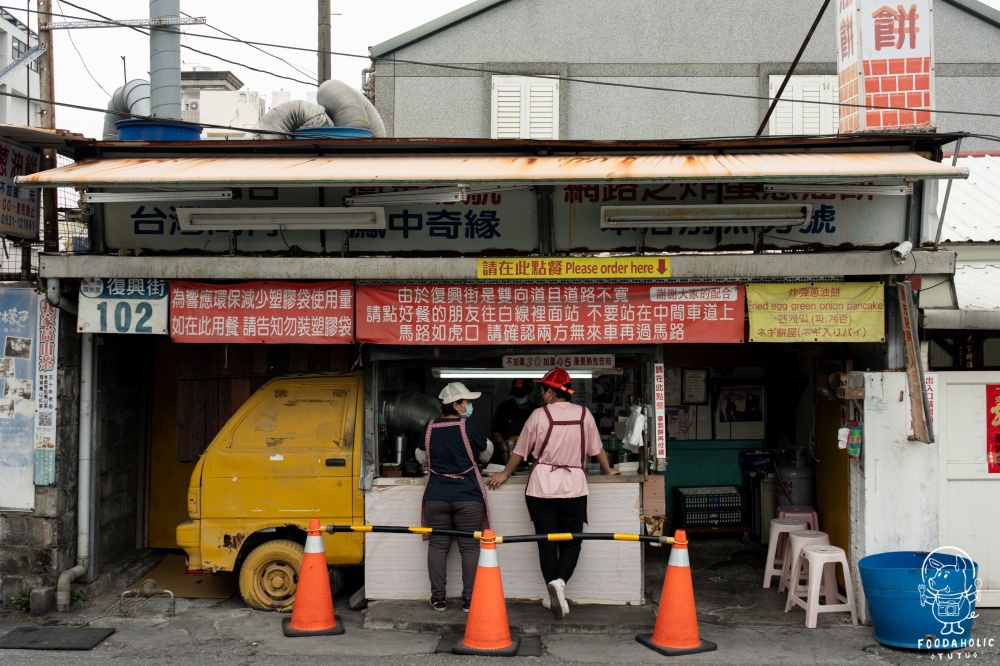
<point>950,587</point>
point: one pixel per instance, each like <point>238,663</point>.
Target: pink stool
<point>806,513</point>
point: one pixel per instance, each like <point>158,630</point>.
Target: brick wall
<point>902,82</point>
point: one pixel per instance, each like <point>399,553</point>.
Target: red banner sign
<point>557,314</point>
<point>993,428</point>
<point>255,312</point>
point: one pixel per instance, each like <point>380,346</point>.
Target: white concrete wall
<point>232,108</point>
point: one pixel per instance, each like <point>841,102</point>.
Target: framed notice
<point>694,386</point>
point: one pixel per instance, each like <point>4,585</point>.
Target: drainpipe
<point>83,475</point>
<point>53,294</point>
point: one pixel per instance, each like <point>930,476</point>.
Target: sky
<point>356,25</point>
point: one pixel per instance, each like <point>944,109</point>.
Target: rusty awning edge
<point>318,171</point>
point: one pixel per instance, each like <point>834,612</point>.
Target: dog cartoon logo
<point>950,588</point>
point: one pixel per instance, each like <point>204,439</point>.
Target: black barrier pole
<point>523,538</point>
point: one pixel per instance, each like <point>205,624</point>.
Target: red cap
<point>558,378</point>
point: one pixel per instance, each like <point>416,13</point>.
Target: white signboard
<point>566,361</point>
<point>659,401</point>
<point>123,305</point>
<point>19,206</point>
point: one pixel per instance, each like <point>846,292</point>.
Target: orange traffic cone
<point>312,612</point>
<point>487,630</point>
<point>676,630</point>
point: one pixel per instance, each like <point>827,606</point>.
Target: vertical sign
<point>18,205</point>
<point>18,328</point>
<point>45,393</point>
<point>993,428</point>
<point>659,400</point>
<point>931,386</point>
<point>919,409</point>
<point>885,56</point>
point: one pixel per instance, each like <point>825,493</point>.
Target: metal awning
<point>313,171</point>
<point>976,289</point>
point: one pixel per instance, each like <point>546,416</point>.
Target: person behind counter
<point>510,416</point>
<point>454,496</point>
<point>560,435</point>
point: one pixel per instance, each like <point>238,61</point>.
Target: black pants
<point>557,558</point>
<point>462,516</point>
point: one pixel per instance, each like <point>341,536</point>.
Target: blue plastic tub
<point>157,130</point>
<point>333,133</point>
<point>922,601</point>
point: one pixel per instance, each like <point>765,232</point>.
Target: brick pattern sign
<point>884,57</point>
<point>268,312</point>
<point>557,314</point>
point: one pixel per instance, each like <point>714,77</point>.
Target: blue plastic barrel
<point>921,601</point>
<point>330,132</point>
<point>157,130</point>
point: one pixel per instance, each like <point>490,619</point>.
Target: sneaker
<point>546,603</point>
<point>438,604</point>
<point>466,605</point>
<point>557,598</point>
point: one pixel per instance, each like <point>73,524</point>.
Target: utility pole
<point>47,83</point>
<point>323,47</point>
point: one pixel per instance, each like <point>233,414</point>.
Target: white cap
<point>456,391</point>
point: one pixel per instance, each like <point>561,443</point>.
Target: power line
<point>83,61</point>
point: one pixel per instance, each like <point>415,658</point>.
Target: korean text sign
<point>544,314</point>
<point>268,312</point>
<point>19,206</point>
<point>817,312</point>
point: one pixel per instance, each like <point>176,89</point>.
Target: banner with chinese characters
<point>565,361</point>
<point>570,268</point>
<point>885,57</point>
<point>18,357</point>
<point>19,206</point>
<point>660,409</point>
<point>45,393</point>
<point>817,312</point>
<point>556,314</point>
<point>268,312</point>
<point>993,428</point>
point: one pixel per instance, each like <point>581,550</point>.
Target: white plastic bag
<point>634,427</point>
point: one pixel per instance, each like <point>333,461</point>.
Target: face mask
<point>468,410</point>
<point>520,401</point>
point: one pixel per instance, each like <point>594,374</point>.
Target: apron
<point>460,422</point>
<point>545,442</point>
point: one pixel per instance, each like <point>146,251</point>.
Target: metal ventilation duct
<point>165,61</point>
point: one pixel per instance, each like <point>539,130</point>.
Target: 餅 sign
<point>18,205</point>
<point>817,312</point>
<point>123,305</point>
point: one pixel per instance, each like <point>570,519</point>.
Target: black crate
<point>709,506</point>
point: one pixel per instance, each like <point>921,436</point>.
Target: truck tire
<point>270,574</point>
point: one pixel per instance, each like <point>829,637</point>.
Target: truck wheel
<point>270,574</point>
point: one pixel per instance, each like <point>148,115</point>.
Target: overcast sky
<point>357,25</point>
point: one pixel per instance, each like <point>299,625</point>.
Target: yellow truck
<point>291,452</point>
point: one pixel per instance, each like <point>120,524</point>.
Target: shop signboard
<point>565,361</point>
<point>817,312</point>
<point>262,312</point>
<point>19,206</point>
<point>18,358</point>
<point>660,409</point>
<point>45,393</point>
<point>920,416</point>
<point>123,305</point>
<point>993,428</point>
<point>550,314</point>
<point>885,57</point>
<point>573,268</point>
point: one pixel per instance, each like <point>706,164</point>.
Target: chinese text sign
<point>18,336</point>
<point>817,312</point>
<point>19,206</point>
<point>993,428</point>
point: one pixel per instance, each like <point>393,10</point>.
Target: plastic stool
<point>796,541</point>
<point>806,513</point>
<point>821,562</point>
<point>775,555</point>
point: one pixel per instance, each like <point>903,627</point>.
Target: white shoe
<point>546,603</point>
<point>557,598</point>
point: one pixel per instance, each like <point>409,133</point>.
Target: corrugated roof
<point>973,214</point>
<point>978,287</point>
<point>311,171</point>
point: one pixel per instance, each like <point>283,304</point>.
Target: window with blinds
<point>804,118</point>
<point>525,108</point>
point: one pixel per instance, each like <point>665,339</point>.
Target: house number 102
<point>123,316</point>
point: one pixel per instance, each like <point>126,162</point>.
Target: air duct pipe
<point>349,108</point>
<point>83,480</point>
<point>165,61</point>
<point>288,117</point>
<point>131,98</point>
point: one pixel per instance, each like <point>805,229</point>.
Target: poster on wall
<point>993,428</point>
<point>18,346</point>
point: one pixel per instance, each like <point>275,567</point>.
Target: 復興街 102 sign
<point>123,305</point>
<point>817,312</point>
<point>262,312</point>
<point>550,314</point>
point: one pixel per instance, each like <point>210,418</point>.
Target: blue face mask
<point>468,410</point>
<point>521,400</point>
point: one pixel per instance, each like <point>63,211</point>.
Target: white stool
<point>775,555</point>
<point>821,562</point>
<point>796,540</point>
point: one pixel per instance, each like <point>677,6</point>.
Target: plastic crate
<point>709,506</point>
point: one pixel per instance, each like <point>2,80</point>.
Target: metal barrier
<point>522,538</point>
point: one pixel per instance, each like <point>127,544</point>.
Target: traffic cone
<point>312,612</point>
<point>676,630</point>
<point>487,630</point>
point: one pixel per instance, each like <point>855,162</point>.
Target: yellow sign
<point>569,268</point>
<point>817,312</point>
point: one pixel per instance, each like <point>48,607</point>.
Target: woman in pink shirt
<point>560,435</point>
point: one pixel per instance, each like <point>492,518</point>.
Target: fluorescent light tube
<point>142,197</point>
<point>234,219</point>
<point>456,194</point>
<point>762,215</point>
<point>887,190</point>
